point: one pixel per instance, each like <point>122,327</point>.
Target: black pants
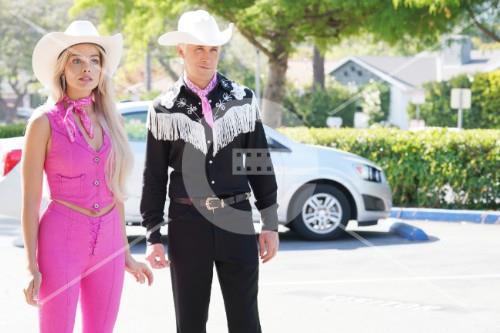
<point>195,246</point>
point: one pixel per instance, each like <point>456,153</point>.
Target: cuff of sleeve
<point>153,237</point>
<point>269,217</point>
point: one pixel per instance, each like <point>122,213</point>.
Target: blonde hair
<point>120,160</point>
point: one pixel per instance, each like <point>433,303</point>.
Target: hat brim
<point>50,46</point>
<point>181,37</point>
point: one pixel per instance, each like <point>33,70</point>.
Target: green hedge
<point>12,130</point>
<point>423,166</point>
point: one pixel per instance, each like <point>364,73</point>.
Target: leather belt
<point>212,203</point>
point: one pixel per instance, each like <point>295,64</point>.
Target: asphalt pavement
<point>371,280</point>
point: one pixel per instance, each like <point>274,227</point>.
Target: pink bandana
<point>202,94</point>
<point>76,107</point>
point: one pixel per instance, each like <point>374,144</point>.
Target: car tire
<point>320,212</point>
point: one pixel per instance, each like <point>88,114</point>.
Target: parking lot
<point>369,281</point>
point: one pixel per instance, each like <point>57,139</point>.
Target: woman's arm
<point>121,208</point>
<point>35,147</point>
<point>139,270</point>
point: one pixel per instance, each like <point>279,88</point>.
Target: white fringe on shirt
<point>175,126</point>
<point>237,120</point>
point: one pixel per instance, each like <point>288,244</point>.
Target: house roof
<point>416,70</point>
<point>413,71</point>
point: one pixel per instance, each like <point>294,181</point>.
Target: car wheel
<point>320,212</point>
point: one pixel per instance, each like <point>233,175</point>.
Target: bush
<point>312,108</point>
<point>485,104</point>
<point>376,101</point>
<point>431,168</point>
<point>12,130</point>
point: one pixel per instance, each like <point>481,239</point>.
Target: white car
<point>319,189</point>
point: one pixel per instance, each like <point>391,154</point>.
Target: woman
<point>79,245</point>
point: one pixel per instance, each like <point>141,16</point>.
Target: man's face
<point>200,61</point>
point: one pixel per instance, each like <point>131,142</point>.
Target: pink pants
<point>79,256</point>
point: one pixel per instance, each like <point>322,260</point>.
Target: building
<point>406,75</point>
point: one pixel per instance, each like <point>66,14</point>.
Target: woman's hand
<point>31,292</point>
<point>139,270</point>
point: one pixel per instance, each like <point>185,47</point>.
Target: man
<point>207,129</point>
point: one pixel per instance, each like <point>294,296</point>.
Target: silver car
<point>319,189</point>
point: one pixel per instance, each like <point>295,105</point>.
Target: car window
<point>275,145</point>
<point>135,125</point>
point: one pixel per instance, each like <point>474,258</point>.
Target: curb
<point>446,215</point>
<point>409,232</point>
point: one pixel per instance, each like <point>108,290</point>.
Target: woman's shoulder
<point>39,122</point>
<point>45,115</point>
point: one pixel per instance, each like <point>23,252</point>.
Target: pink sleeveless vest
<point>75,171</point>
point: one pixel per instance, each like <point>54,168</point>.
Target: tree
<point>22,24</point>
<point>276,26</point>
<point>485,105</point>
<point>484,15</point>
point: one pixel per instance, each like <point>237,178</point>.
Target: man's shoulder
<point>165,102</point>
<point>239,91</point>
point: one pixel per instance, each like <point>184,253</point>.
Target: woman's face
<point>82,70</point>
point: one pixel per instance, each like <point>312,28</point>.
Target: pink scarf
<point>202,94</point>
<point>77,108</point>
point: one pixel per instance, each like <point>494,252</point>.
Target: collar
<point>168,98</point>
<point>222,82</point>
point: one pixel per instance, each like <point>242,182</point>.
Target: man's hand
<point>268,243</point>
<point>155,255</point>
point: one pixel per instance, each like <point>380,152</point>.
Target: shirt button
<point>209,101</point>
<point>210,161</point>
<point>96,205</point>
<point>213,181</point>
<point>208,141</point>
<point>96,159</point>
<point>96,182</point>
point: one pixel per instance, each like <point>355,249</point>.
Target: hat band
<point>99,46</point>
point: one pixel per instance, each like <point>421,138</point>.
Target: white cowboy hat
<point>50,46</point>
<point>199,28</point>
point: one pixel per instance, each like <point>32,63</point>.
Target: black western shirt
<point>206,161</point>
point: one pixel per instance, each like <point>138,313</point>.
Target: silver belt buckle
<point>210,200</point>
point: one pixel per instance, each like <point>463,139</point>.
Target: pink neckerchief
<point>77,108</point>
<point>202,94</point>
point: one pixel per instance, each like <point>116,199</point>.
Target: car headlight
<point>368,173</point>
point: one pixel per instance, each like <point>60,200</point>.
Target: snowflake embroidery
<point>238,91</point>
<point>220,105</point>
<point>191,108</point>
<point>181,103</point>
<point>226,97</point>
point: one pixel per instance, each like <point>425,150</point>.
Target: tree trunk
<point>147,76</point>
<point>3,109</point>
<point>318,70</point>
<point>166,66</point>
<point>274,91</point>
